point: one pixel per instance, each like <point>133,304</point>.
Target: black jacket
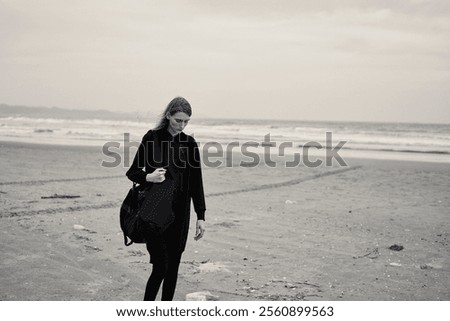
<point>180,155</point>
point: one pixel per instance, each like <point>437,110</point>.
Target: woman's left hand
<point>199,230</point>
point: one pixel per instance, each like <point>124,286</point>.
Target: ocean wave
<point>43,130</point>
<point>399,150</point>
<point>389,137</point>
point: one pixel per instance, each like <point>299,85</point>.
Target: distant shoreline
<point>7,110</point>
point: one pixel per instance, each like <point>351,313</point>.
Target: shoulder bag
<point>147,208</point>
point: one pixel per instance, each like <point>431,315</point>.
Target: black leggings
<point>165,262</point>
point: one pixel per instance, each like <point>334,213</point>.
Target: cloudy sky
<point>287,59</point>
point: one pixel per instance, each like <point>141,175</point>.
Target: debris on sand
<point>136,253</point>
<point>201,296</point>
<point>372,254</point>
<point>79,227</point>
<point>81,238</point>
<point>225,224</point>
<point>60,196</point>
<point>395,264</point>
<point>431,265</point>
<point>92,248</point>
<point>396,247</point>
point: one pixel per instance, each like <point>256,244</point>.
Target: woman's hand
<point>158,176</point>
<point>199,230</point>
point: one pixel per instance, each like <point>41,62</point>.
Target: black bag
<point>156,209</point>
<point>130,222</point>
<point>147,208</point>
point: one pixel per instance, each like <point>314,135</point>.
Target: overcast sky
<point>288,59</point>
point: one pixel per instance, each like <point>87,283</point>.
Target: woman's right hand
<point>158,176</point>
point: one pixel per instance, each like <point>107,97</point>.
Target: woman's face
<point>177,122</point>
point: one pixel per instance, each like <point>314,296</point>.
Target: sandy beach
<point>272,233</point>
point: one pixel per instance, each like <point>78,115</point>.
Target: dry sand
<point>272,233</point>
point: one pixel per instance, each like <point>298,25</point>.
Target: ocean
<point>362,139</point>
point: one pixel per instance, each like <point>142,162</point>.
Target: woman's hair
<point>178,104</point>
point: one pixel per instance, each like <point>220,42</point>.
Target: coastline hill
<point>57,112</point>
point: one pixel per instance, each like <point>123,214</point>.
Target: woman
<point>179,160</point>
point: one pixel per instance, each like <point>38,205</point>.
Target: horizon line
<point>205,117</point>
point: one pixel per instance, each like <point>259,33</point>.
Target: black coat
<point>180,155</point>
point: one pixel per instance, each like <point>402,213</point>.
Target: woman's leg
<point>160,260</point>
<point>170,279</point>
<point>154,281</point>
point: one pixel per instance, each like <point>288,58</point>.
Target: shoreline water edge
<point>427,142</point>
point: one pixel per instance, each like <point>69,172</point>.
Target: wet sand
<point>272,233</point>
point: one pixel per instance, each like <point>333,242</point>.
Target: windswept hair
<point>178,104</point>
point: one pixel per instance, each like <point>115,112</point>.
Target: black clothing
<point>165,267</point>
<point>179,154</point>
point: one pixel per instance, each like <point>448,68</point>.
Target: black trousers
<point>165,258</point>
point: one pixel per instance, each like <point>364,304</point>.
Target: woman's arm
<point>136,171</point>
<point>196,184</point>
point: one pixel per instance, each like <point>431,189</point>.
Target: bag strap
<point>125,239</point>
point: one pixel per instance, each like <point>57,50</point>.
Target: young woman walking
<point>179,160</point>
